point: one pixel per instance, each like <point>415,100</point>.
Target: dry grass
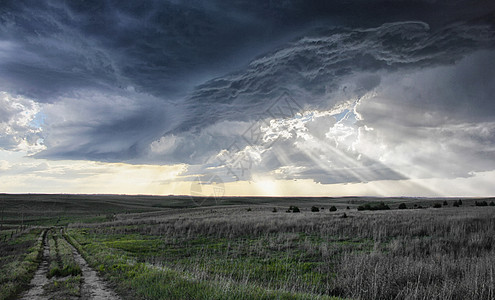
<point>445,253</point>
<point>19,258</point>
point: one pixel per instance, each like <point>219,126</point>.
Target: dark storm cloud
<point>445,75</point>
<point>184,78</point>
<point>165,47</point>
<point>439,119</point>
<point>313,67</point>
<point>106,127</point>
<point>159,47</point>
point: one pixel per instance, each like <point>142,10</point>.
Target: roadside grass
<point>285,261</point>
<point>142,280</point>
<point>19,259</point>
<point>243,260</point>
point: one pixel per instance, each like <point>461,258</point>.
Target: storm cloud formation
<point>383,90</point>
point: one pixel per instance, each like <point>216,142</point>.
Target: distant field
<point>46,209</point>
<point>253,248</point>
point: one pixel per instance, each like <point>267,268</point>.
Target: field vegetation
<point>395,254</point>
<point>19,259</point>
<point>260,249</point>
<point>63,269</point>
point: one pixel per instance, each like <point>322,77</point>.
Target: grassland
<point>20,256</point>
<point>251,248</point>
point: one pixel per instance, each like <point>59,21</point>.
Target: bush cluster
<point>374,206</point>
<point>483,203</point>
<point>293,209</point>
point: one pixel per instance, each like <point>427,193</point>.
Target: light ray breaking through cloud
<point>379,99</point>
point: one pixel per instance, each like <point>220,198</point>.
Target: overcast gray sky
<point>351,97</point>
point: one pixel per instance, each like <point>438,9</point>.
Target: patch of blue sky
<point>38,120</point>
<point>341,115</point>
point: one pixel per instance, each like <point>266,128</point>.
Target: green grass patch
<point>62,261</point>
<point>294,262</point>
<point>117,258</point>
<point>64,289</point>
<point>20,259</point>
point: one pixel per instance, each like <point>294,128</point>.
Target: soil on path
<point>93,287</point>
<point>39,280</point>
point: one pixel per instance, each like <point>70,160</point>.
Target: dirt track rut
<point>39,280</point>
<point>92,287</point>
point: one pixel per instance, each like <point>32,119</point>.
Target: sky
<point>262,98</point>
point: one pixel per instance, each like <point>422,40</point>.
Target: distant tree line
<point>484,203</point>
<point>383,206</point>
<point>374,206</point>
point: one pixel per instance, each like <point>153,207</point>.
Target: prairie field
<point>257,248</point>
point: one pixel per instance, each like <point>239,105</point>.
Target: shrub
<point>402,206</point>
<point>445,203</point>
<point>456,204</point>
<point>333,208</point>
<point>344,216</point>
<point>315,209</point>
<point>274,210</point>
<point>481,203</point>
<point>348,207</point>
<point>492,203</point>
<point>437,205</point>
<point>293,209</point>
<point>374,206</point>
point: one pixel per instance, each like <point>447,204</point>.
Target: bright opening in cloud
<point>247,99</point>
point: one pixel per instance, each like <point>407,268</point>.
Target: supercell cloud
<point>335,92</point>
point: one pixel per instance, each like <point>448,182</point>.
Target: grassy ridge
<point>19,259</point>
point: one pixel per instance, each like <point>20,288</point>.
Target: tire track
<point>93,287</point>
<point>40,279</point>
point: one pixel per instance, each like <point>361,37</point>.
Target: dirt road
<point>40,277</point>
<point>92,286</point>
